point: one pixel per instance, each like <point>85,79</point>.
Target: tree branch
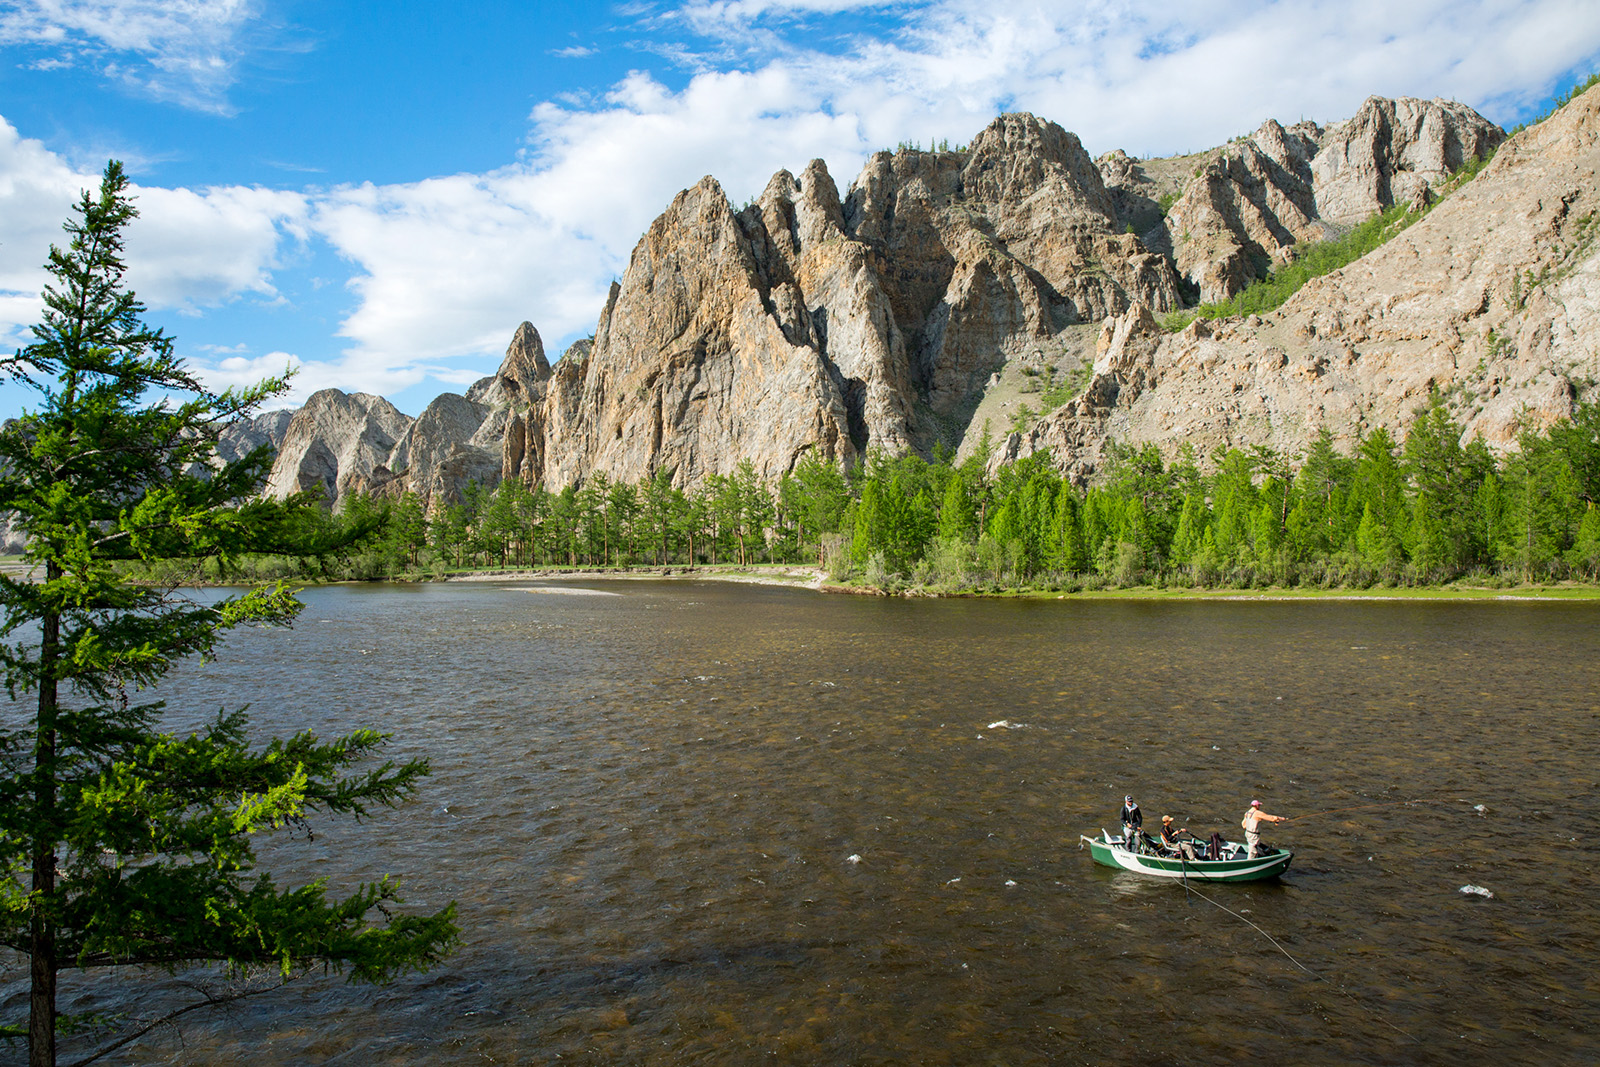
<point>212,1001</point>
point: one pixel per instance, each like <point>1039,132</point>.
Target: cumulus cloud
<point>189,250</point>
<point>184,51</point>
<point>39,187</point>
<point>308,376</point>
<point>243,371</point>
<point>193,249</point>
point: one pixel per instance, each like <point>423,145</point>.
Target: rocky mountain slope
<point>1492,301</point>
<point>1247,204</point>
<point>942,287</point>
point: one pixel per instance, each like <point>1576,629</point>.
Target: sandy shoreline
<point>813,578</point>
<point>791,577</point>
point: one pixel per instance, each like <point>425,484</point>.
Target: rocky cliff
<point>1492,302</point>
<point>1243,207</point>
<point>808,321</point>
<point>944,287</point>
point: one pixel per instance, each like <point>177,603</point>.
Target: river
<point>702,823</point>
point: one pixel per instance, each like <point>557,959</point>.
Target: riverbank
<point>767,574</point>
<point>814,578</point>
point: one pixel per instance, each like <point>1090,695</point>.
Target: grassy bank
<point>1558,592</point>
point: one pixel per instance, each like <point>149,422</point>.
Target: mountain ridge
<point>923,304</point>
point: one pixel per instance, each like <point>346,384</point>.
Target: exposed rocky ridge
<point>1247,204</point>
<point>1492,301</point>
<point>350,442</point>
<point>811,322</point>
<point>524,369</point>
<point>890,317</point>
<point>239,439</point>
<point>336,443</point>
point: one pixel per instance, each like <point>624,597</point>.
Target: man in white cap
<point>1253,817</point>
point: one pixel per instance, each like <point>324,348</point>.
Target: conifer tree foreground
<point>121,845</point>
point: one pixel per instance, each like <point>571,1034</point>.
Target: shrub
<point>879,575</point>
<point>952,563</point>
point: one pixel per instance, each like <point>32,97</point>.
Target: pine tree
<point>957,521</point>
<point>1192,524</point>
<point>1069,521</point>
<point>1542,507</point>
<point>1586,546</point>
<point>408,529</point>
<point>1430,548</point>
<point>122,845</point>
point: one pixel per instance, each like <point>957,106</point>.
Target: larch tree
<point>122,845</point>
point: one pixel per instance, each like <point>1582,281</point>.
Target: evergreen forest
<point>1424,510</point>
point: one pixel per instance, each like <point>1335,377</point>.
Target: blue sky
<point>379,194</point>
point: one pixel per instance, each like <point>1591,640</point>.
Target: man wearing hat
<point>1253,817</point>
<point>1132,823</point>
<point>1172,838</point>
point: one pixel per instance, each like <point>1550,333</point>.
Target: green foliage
<point>1023,418</point>
<point>1425,509</point>
<point>1312,260</point>
<point>1501,346</point>
<point>121,844</point>
<point>1070,387</point>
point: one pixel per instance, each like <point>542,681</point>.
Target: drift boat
<point>1234,866</point>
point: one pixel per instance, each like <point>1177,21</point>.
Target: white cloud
<point>241,371</point>
<point>184,51</point>
<point>307,376</point>
<point>192,249</point>
<point>36,190</point>
<point>189,250</point>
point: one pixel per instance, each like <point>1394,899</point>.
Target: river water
<point>701,823</point>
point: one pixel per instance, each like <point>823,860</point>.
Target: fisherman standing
<point>1132,824</point>
<point>1253,818</point>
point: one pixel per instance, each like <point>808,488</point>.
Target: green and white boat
<point>1234,866</point>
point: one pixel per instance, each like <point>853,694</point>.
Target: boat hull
<point>1243,869</point>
